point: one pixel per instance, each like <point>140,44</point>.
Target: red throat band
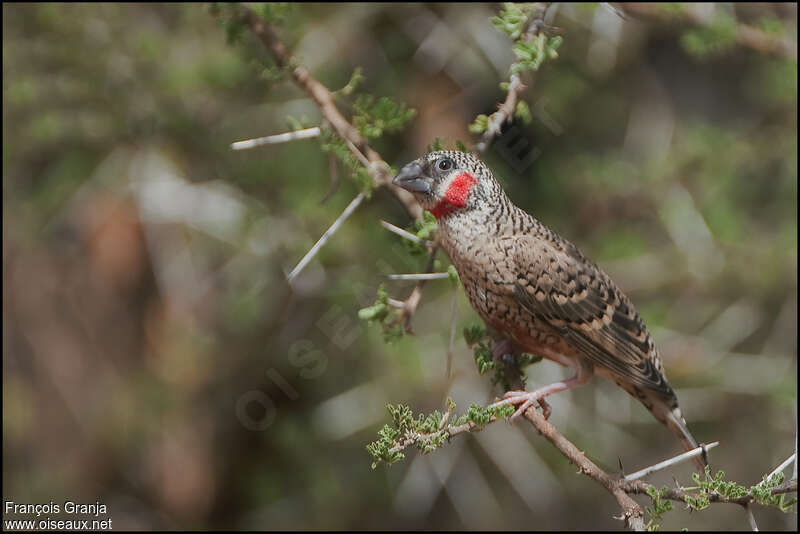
<point>456,195</point>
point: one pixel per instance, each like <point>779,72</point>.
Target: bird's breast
<point>487,271</point>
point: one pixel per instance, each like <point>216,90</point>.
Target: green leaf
<point>473,333</point>
<point>480,124</point>
<point>374,117</point>
<point>451,270</point>
<point>435,146</point>
<point>523,112</point>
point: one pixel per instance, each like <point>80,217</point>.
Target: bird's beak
<point>412,179</point>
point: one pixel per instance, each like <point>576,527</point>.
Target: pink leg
<point>524,399</point>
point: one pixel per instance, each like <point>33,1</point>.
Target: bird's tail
<point>675,422</point>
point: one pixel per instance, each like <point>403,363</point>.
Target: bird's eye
<point>445,164</point>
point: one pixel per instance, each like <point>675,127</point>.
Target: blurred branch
<point>377,167</point>
<point>746,35</point>
<point>505,111</point>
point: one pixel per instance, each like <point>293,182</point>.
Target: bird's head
<point>449,181</point>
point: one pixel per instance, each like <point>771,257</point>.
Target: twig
<point>670,462</point>
<point>395,302</point>
<point>403,233</point>
<point>505,112</point>
<point>333,171</point>
<point>678,494</point>
<point>632,512</point>
<point>417,437</point>
<point>419,276</point>
<point>783,465</point>
<point>308,133</point>
<point>327,235</point>
<point>411,303</point>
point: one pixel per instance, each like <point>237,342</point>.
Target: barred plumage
<point>537,288</point>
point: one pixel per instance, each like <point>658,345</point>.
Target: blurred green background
<point>156,360</point>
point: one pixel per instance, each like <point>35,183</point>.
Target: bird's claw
<point>523,400</point>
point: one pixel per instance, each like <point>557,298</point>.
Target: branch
<point>632,512</point>
<point>411,303</point>
<point>672,461</point>
<point>378,168</point>
<point>679,494</point>
<point>746,35</point>
<point>505,112</point>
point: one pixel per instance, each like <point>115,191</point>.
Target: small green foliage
<point>381,312</point>
<point>474,332</point>
<point>525,359</point>
<point>762,493</point>
<point>717,485</point>
<point>711,39</point>
<point>427,432</point>
<point>531,54</point>
<point>273,12</point>
<point>461,146</point>
<point>374,117</point>
<point>295,124</point>
<point>402,416</point>
<point>523,112</point>
<point>512,19</point>
<point>480,124</point>
<point>478,339</point>
<point>771,25</point>
<point>333,144</point>
<point>454,279</point>
<point>435,146</point>
<point>483,358</point>
<point>660,506</point>
<point>381,449</point>
<point>230,20</point>
<point>423,229</point>
<point>355,80</point>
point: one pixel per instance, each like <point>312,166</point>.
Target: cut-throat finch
<point>537,291</point>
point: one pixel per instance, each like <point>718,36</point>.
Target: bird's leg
<point>524,399</point>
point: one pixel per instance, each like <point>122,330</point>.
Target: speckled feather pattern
<point>538,289</point>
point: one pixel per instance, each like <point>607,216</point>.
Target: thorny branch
<point>678,494</point>
<point>321,95</point>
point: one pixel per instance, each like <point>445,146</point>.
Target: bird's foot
<point>523,400</point>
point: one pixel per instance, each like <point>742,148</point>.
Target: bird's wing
<point>557,284</point>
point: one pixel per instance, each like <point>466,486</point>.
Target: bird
<point>538,291</point>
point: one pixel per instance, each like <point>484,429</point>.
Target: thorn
<point>327,235</point>
<point>307,133</point>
